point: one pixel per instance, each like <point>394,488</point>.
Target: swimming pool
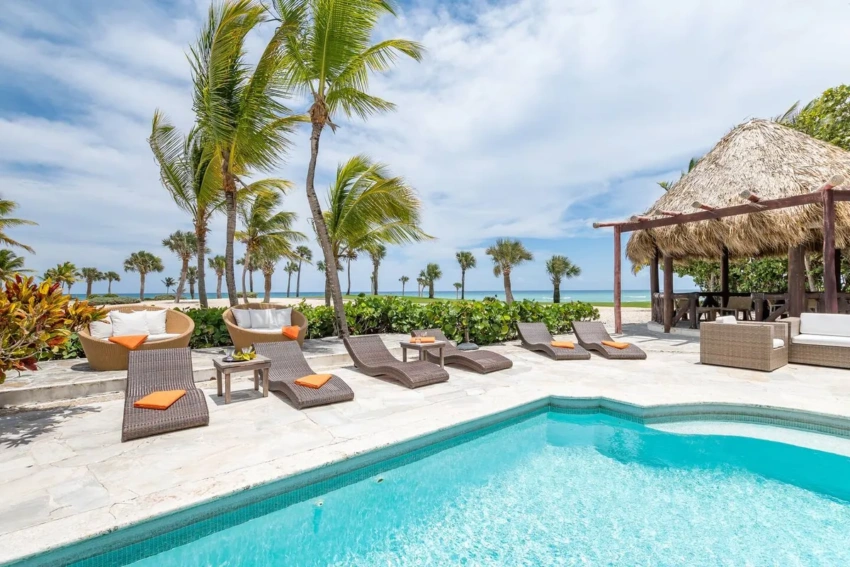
<point>543,488</point>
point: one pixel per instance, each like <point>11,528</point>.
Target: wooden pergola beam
<point>670,213</point>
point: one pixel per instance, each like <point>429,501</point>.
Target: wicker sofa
<point>821,339</point>
<point>243,337</point>
<point>752,345</point>
<point>104,355</point>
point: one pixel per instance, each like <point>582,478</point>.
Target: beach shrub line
<point>111,299</point>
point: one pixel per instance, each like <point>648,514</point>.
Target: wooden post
<point>724,278</point>
<point>668,293</point>
<point>654,288</point>
<point>830,288</point>
<point>838,270</point>
<point>618,317</point>
<point>796,281</point>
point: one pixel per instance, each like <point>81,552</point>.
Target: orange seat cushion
<point>615,344</point>
<point>131,342</point>
<point>563,344</point>
<point>423,340</point>
<point>314,381</point>
<point>291,332</point>
<point>160,400</point>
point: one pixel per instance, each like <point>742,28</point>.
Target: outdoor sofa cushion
<point>161,337</point>
<point>821,340</point>
<point>778,343</point>
<point>243,317</point>
<point>156,321</point>
<point>133,323</point>
<point>830,324</point>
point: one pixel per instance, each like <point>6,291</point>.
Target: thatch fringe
<point>765,158</point>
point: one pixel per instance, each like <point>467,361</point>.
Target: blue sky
<point>527,118</point>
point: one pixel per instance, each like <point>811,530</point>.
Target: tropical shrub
<point>210,330</point>
<point>36,318</point>
<point>72,349</point>
<point>163,297</point>
<point>111,299</point>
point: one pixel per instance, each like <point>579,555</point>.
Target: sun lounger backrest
<point>369,350</point>
<point>287,356</point>
<point>534,333</point>
<point>166,369</point>
<point>590,331</point>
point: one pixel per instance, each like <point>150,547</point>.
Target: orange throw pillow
<point>615,344</point>
<point>130,342</point>
<point>563,344</point>
<point>159,400</point>
<point>291,332</point>
<point>314,381</point>
<point>423,340</point>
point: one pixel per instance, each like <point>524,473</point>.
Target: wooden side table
<point>438,345</point>
<point>259,365</point>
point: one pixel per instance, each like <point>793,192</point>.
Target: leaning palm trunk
<point>327,292</point>
<point>202,286</point>
<point>506,276</point>
<point>184,270</point>
<point>230,207</point>
<point>250,281</point>
<point>348,291</point>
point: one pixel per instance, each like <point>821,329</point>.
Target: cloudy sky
<point>527,118</point>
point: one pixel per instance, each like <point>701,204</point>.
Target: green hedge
<point>111,299</point>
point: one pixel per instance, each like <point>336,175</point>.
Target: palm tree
<point>466,261</point>
<point>168,283</point>
<point>507,254</point>
<point>218,265</point>
<point>377,253</point>
<point>349,255</point>
<point>10,264</point>
<point>262,227</point>
<point>328,56</point>
<point>65,274</point>
<point>421,281</point>
<point>192,278</point>
<point>193,179</point>
<point>403,280</point>
<point>266,261</point>
<point>304,255</point>
<point>558,268</point>
<point>290,268</point>
<point>144,263</point>
<point>457,285</point>
<point>320,265</point>
<point>251,268</point>
<point>430,274</point>
<point>91,275</point>
<point>111,277</point>
<point>185,246</point>
<point>7,208</point>
<point>237,106</point>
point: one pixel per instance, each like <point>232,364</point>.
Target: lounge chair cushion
<point>130,342</point>
<point>134,323</point>
<point>161,337</point>
<point>159,400</point>
<point>243,317</point>
<point>261,319</point>
<point>616,344</point>
<point>280,317</point>
<point>314,381</point>
<point>563,344</point>
<point>101,329</point>
<point>830,324</point>
<point>821,340</point>
<point>156,321</point>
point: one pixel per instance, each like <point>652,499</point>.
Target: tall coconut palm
<point>251,268</point>
<point>238,106</point>
<point>218,265</point>
<point>185,246</point>
<point>191,174</point>
<point>111,277</point>
<point>11,264</point>
<point>377,253</point>
<point>457,286</point>
<point>168,283</point>
<point>431,274</point>
<point>266,260</point>
<point>466,261</point>
<point>403,280</point>
<point>304,255</point>
<point>349,255</point>
<point>7,207</point>
<point>65,274</point>
<point>320,265</point>
<point>91,275</point>
<point>290,268</point>
<point>263,227</point>
<point>560,268</point>
<point>144,263</point>
<point>421,282</point>
<point>506,255</point>
<point>328,57</point>
<point>192,278</point>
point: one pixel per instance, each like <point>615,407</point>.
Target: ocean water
<point>562,489</point>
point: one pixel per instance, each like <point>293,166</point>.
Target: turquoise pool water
<point>555,489</point>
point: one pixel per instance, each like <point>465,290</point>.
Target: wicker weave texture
<point>817,355</point>
<point>372,357</point>
<point>153,370</point>
<point>104,355</point>
<point>288,365</point>
<point>536,337</point>
<point>481,361</point>
<point>590,335</point>
<point>744,345</point>
<point>243,338</point>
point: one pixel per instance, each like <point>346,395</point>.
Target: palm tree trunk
<point>331,275</point>
<point>109,287</point>
<point>431,290</point>
<point>183,271</point>
<point>375,281</point>
<point>141,286</point>
<point>556,295</point>
<point>251,281</point>
<point>202,285</point>
<point>463,284</point>
<point>288,281</point>
<point>298,281</point>
<point>506,276</point>
<point>230,210</point>
<point>218,286</point>
<point>267,296</point>
<point>402,289</point>
<point>88,288</point>
<point>192,290</point>
<point>244,273</point>
<point>327,291</point>
<point>348,291</point>
<point>809,275</point>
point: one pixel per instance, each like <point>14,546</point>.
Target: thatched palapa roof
<point>765,158</point>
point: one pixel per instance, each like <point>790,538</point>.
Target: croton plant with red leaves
<point>35,317</point>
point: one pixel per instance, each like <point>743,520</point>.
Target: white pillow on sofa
<point>101,329</point>
<point>134,323</point>
<point>281,317</point>
<point>156,321</point>
<point>261,318</point>
<point>830,324</point>
<point>727,320</point>
<point>243,317</point>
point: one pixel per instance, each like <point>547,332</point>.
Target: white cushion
<point>727,320</point>
<point>161,337</point>
<point>822,340</point>
<point>831,324</point>
<point>778,343</point>
<point>156,321</point>
<point>243,317</point>
<point>101,329</point>
<point>275,331</point>
<point>281,317</point>
<point>134,323</point>
<point>261,318</point>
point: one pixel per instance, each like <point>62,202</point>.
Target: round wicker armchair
<point>243,338</point>
<point>104,355</point>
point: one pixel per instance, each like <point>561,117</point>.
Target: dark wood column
<point>830,288</point>
<point>724,277</point>
<point>618,289</point>
<point>838,270</point>
<point>796,281</point>
<point>668,293</point>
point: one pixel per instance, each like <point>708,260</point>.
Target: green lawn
<point>425,299</point>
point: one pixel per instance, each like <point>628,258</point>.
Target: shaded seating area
<point>373,358</point>
<point>480,361</point>
<point>592,336</point>
<point>288,365</point>
<point>161,370</point>
<point>820,339</point>
<point>536,337</point>
<point>744,344</point>
<point>253,329</point>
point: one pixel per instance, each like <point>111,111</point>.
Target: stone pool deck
<point>66,475</point>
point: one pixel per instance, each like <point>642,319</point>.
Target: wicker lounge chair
<point>752,345</point>
<point>373,358</point>
<point>243,338</point>
<point>104,355</point>
<point>481,361</point>
<point>288,365</point>
<point>590,335</point>
<point>536,337</point>
<point>153,370</point>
